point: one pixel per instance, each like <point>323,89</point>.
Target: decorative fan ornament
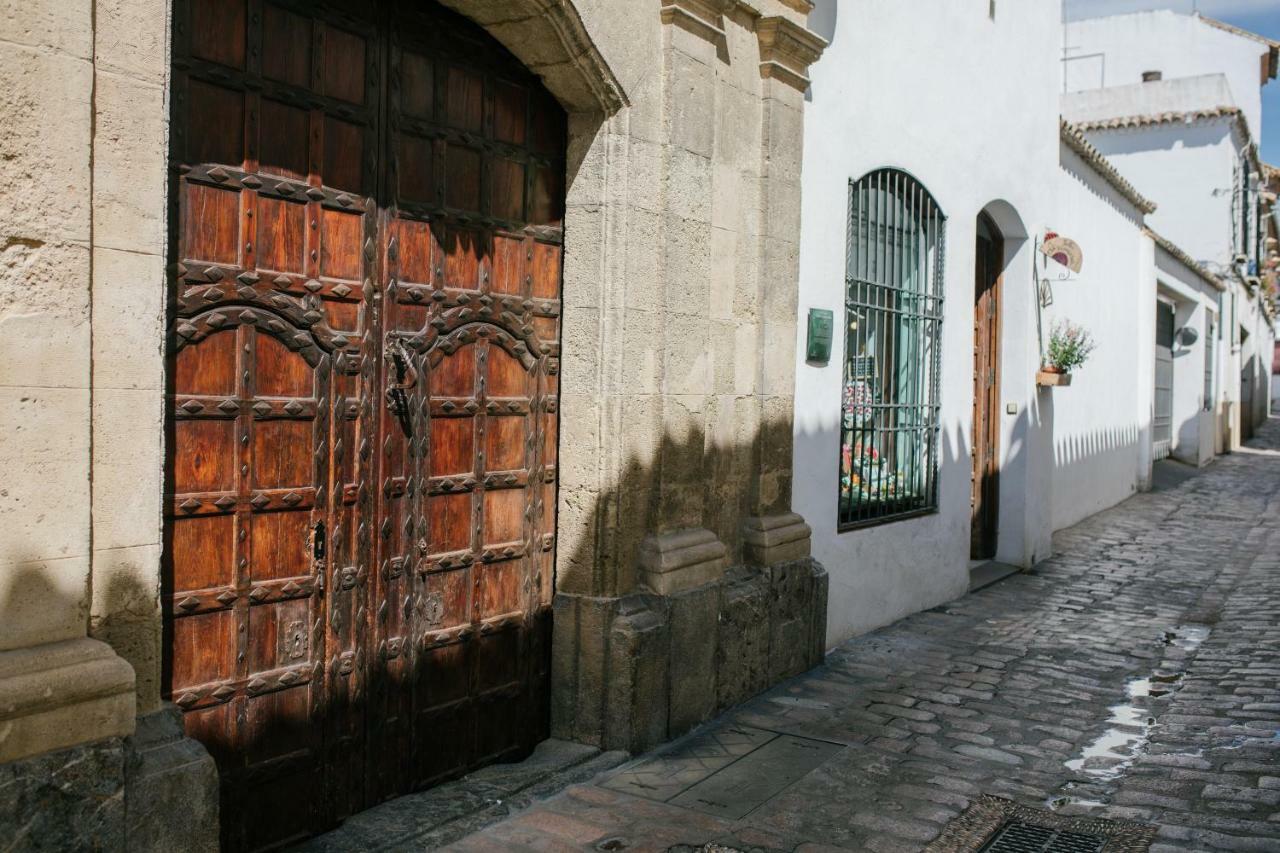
<point>1064,250</point>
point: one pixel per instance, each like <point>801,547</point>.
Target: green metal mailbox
<point>821,322</point>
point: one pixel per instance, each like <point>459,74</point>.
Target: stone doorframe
<point>677,377</point>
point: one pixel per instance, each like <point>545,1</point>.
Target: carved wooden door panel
<point>472,241</point>
<point>275,139</point>
<point>364,347</point>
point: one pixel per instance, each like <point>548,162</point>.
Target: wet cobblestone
<point>1154,629</point>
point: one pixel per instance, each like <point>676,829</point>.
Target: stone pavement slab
<point>1134,676</point>
<point>433,818</point>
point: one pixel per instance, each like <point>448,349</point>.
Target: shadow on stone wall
<point>36,606</point>
<point>79,785</point>
<point>693,481</point>
<point>696,594</point>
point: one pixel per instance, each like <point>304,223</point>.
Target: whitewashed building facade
<point>1174,101</point>
<point>992,157</point>
<point>927,442</point>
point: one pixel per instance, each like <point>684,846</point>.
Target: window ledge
<point>851,526</point>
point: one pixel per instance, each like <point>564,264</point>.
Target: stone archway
<point>549,37</point>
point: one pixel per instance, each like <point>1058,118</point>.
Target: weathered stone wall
<point>670,662</point>
<point>82,242</point>
<point>678,374</point>
<point>46,87</point>
<point>57,687</point>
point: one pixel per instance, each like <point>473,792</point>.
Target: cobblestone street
<point>1135,675</point>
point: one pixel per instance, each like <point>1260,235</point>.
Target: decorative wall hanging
<point>1064,250</point>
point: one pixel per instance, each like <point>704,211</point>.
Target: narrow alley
<point>687,426</point>
<point>1133,676</point>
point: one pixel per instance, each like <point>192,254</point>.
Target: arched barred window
<point>893,315</point>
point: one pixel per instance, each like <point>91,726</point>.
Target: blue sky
<point>1259,16</point>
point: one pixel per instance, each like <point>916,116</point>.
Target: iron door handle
<point>406,378</point>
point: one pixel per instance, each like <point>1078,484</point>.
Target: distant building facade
<point>1175,102</point>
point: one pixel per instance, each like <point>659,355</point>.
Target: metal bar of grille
<point>893,312</point>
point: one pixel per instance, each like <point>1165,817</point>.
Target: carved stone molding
<point>787,50</point>
<point>772,539</point>
<point>703,18</point>
<point>62,694</point>
<point>804,7</point>
<point>681,560</point>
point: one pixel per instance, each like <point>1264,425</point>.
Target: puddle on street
<point>1110,756</point>
<point>1187,637</point>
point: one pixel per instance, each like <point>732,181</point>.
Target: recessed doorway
<point>985,481</point>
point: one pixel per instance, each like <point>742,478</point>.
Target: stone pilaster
<point>702,18</point>
<point>786,49</point>
<point>670,608</point>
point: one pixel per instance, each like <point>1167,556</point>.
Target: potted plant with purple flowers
<point>1069,347</point>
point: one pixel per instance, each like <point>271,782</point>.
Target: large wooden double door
<point>364,348</point>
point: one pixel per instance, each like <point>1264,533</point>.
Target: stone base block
<point>665,663</point>
<point>693,617</point>
<point>153,792</point>
<point>742,648</point>
<point>797,616</point>
<point>171,788</point>
<point>57,695</point>
<point>70,799</point>
<point>638,690</point>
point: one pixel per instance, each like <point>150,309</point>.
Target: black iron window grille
<point>893,316</point>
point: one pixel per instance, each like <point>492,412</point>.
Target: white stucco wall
<point>1175,44</point>
<point>959,112</point>
<point>1101,425</point>
<point>1255,358</point>
<point>1187,170</point>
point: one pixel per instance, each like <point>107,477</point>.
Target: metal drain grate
<point>1017,836</point>
<point>996,825</point>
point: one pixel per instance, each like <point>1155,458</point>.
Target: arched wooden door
<point>985,482</point>
<point>364,349</point>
